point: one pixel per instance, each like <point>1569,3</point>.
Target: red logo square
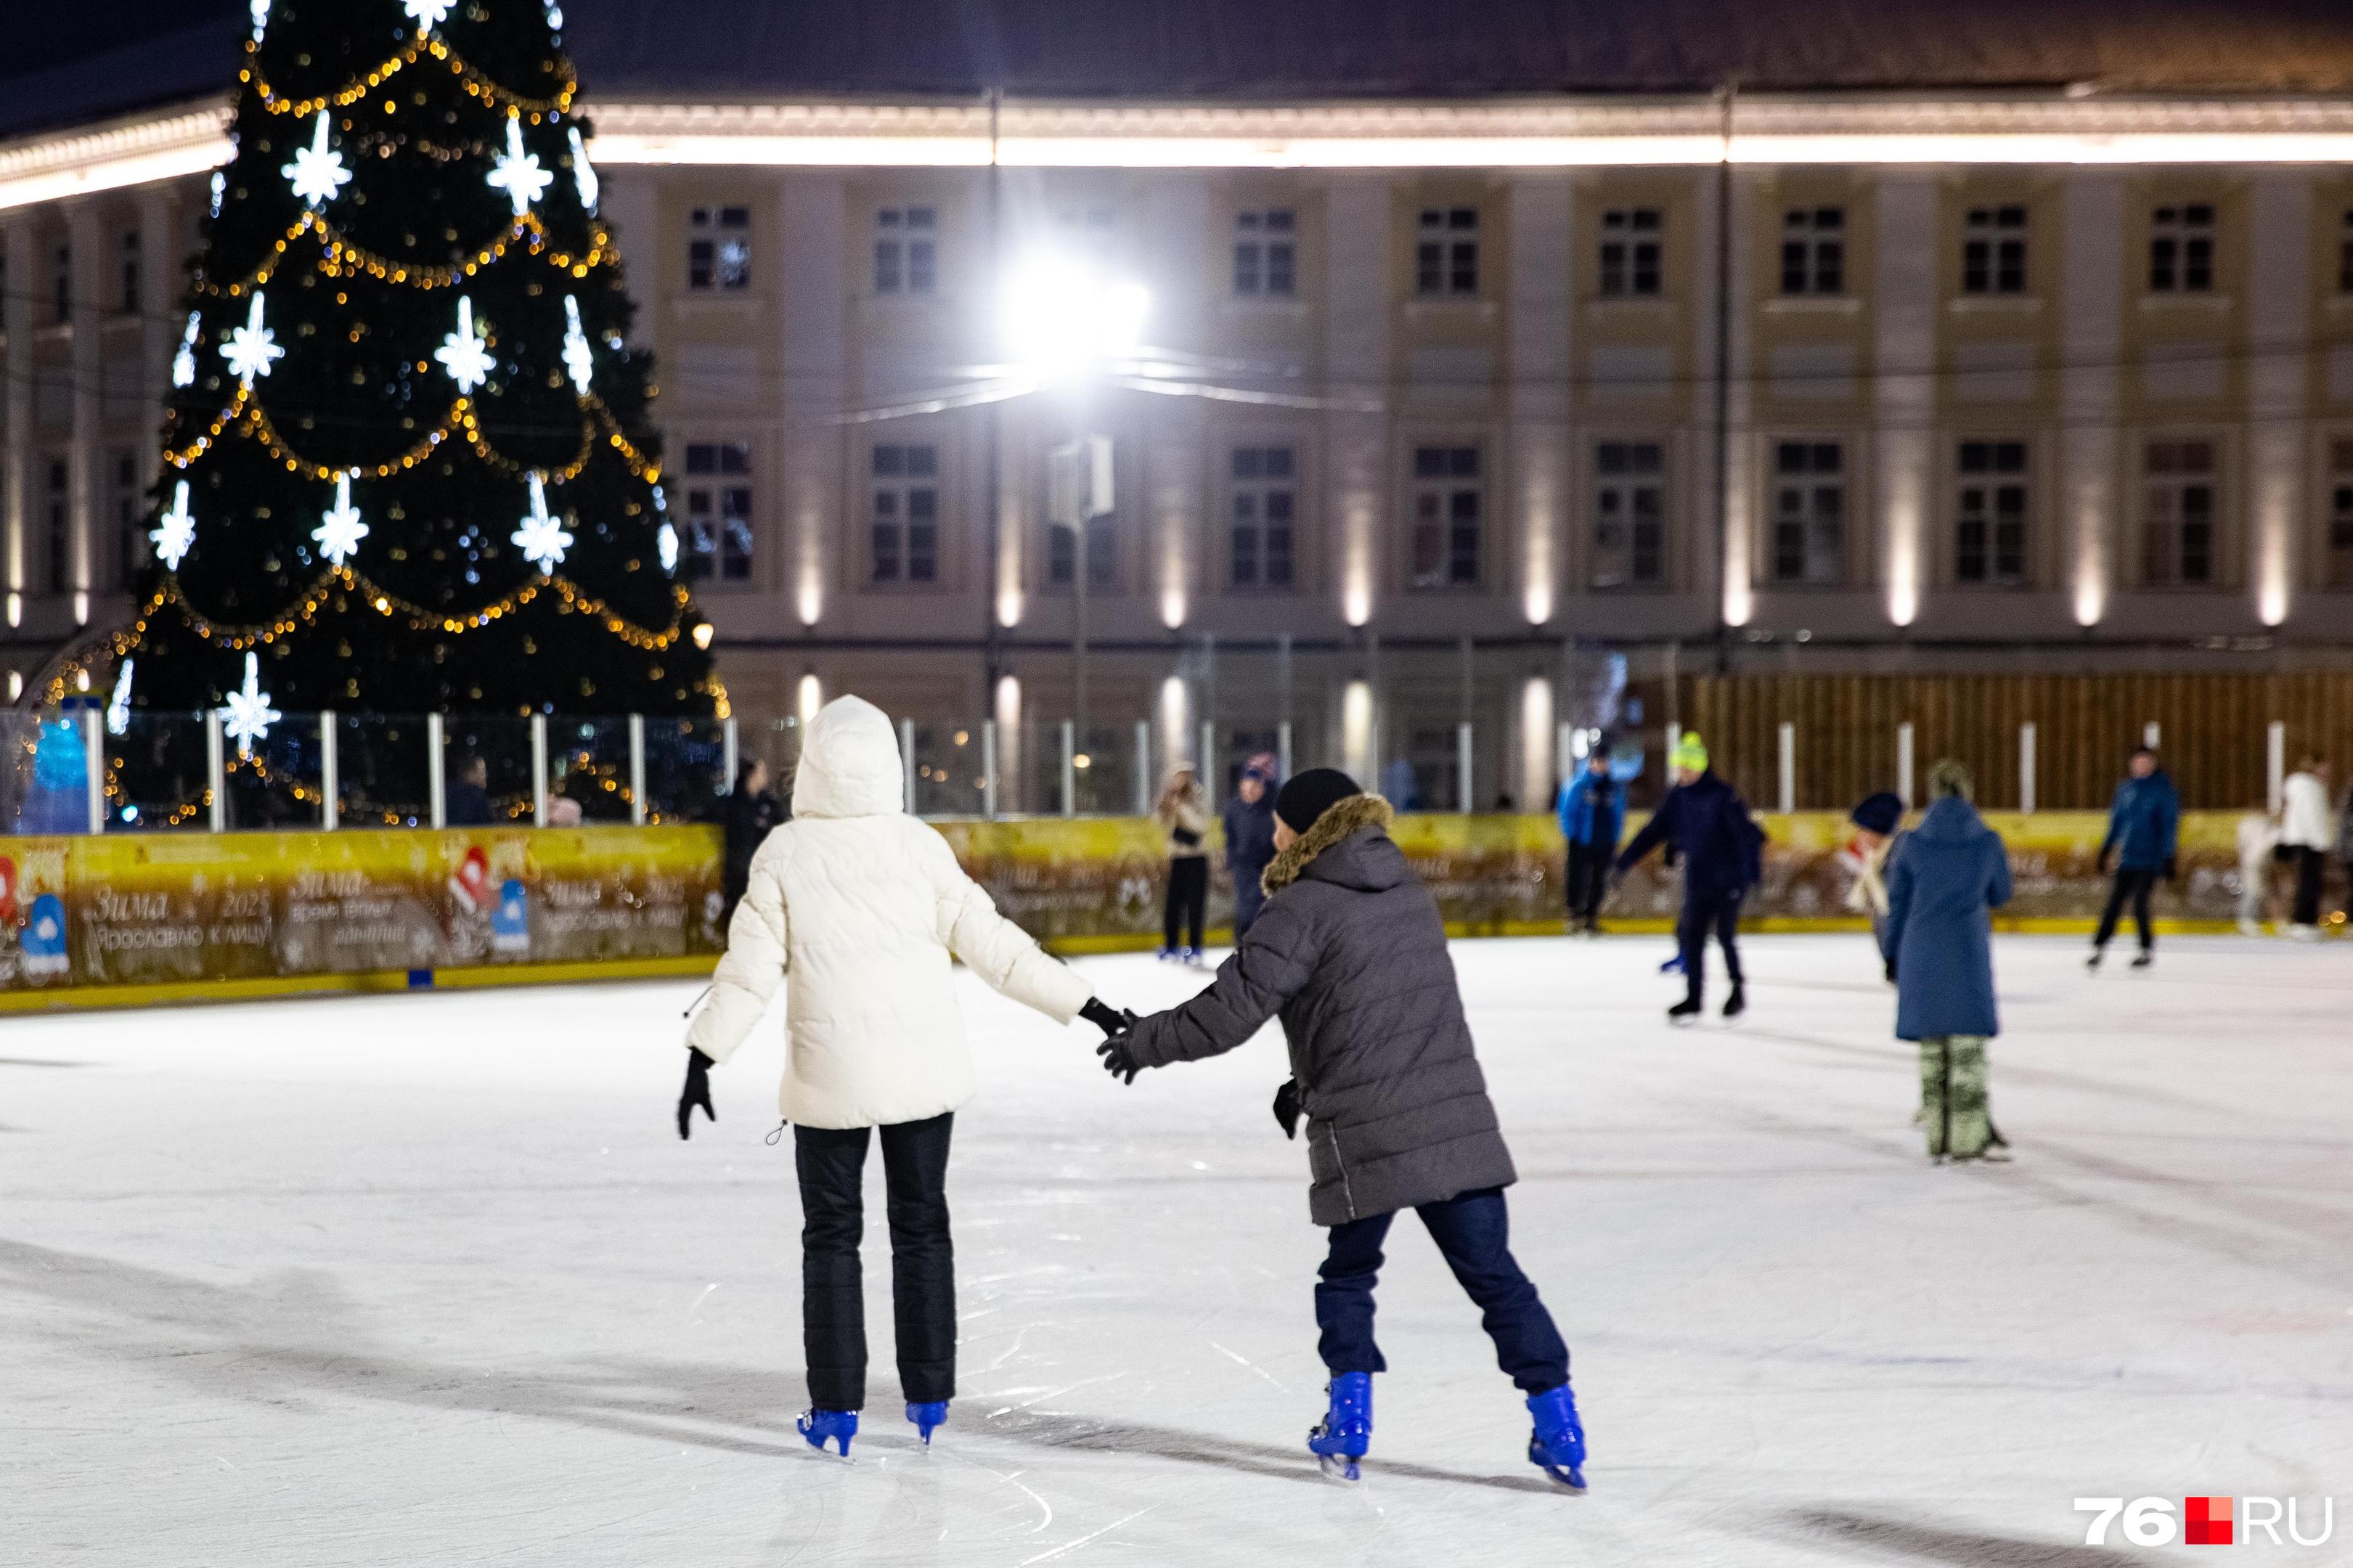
<point>2206,1521</point>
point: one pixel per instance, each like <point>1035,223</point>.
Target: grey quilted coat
<point>1351,955</point>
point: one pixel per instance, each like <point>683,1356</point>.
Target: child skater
<point>861,905</point>
<point>1351,955</point>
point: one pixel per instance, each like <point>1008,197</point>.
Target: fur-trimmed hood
<point>1360,865</point>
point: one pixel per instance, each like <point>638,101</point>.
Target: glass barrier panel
<point>686,769</point>
<point>28,803</point>
<point>157,775</point>
<point>588,769</point>
<point>272,781</point>
<point>1105,773</point>
<point>486,770</point>
<point>951,778</point>
<point>380,776</point>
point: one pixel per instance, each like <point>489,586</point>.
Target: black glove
<point>2172,867</point>
<point>1891,971</point>
<point>697,1090</point>
<point>2105,855</point>
<point>1117,1058</point>
<point>1104,1018</point>
<point>1286,1108</point>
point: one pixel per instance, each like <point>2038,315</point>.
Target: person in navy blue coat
<point>1592,816</point>
<point>2144,825</point>
<point>1703,820</point>
<point>1948,877</point>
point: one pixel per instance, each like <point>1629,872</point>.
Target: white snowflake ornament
<point>118,707</point>
<point>464,353</point>
<point>252,348</point>
<point>517,172</point>
<point>260,12</point>
<point>184,363</point>
<point>666,544</point>
<point>542,538</point>
<point>428,12</point>
<point>340,529</point>
<point>583,172</point>
<point>174,539</point>
<point>248,715</point>
<point>317,172</point>
<point>576,358</point>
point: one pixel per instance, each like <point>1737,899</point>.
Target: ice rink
<point>430,1279</point>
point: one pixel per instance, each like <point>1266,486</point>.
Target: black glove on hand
<point>1891,971</point>
<point>1104,1018</point>
<point>2172,867</point>
<point>1116,1058</point>
<point>2105,855</point>
<point>1286,1108</point>
<point>697,1090</point>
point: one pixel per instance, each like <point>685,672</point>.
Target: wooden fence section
<point>2213,730</point>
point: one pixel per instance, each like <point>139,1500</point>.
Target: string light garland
<point>340,257</point>
<point>574,600</point>
<point>474,81</point>
<point>246,417</point>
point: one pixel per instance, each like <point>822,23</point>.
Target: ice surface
<point>428,1280</point>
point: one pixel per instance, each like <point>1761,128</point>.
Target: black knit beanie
<point>1311,794</point>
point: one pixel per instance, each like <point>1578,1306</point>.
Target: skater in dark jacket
<point>2143,826</point>
<point>1250,839</point>
<point>1704,821</point>
<point>1350,954</point>
<point>747,815</point>
<point>1951,873</point>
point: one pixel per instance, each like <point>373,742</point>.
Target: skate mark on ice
<point>1049,1429</point>
<point>1914,1542</point>
<point>1045,1509</point>
<point>40,1062</point>
<point>1081,1541</point>
<point>1055,1393</point>
<point>1251,1364</point>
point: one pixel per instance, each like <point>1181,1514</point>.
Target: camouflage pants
<point>1953,1097</point>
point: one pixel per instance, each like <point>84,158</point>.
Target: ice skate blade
<point>1340,1467</point>
<point>1571,1481</point>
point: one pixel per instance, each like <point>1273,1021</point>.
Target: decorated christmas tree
<point>408,463</point>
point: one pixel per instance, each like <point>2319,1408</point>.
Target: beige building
<point>2003,349</point>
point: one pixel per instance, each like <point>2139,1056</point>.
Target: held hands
<point>1104,1018</point>
<point>697,1091</point>
<point>1117,1060</point>
<point>1286,1108</point>
<point>1118,1057</point>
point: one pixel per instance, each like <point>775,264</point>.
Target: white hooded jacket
<point>860,906</point>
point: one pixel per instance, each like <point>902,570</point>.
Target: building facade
<point>1440,401</point>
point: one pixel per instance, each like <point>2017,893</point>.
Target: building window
<point>1630,252</point>
<point>1447,508</point>
<point>1629,514</point>
<point>1809,513</point>
<point>2340,516</point>
<point>1266,255</point>
<point>2180,542</point>
<point>1813,250</point>
<point>906,250</point>
<point>61,279</point>
<point>129,514</point>
<point>2181,249</point>
<point>128,259</point>
<point>1446,256</point>
<point>906,527</point>
<point>1265,516</point>
<point>1989,529</point>
<point>58,512</point>
<point>719,250</point>
<point>1993,251</point>
<point>718,512</point>
<point>1103,554</point>
<point>2345,258</point>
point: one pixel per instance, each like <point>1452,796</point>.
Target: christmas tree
<point>407,462</point>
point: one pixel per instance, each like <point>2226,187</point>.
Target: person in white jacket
<point>2308,831</point>
<point>858,908</point>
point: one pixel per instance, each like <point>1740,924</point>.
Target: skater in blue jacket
<point>1592,815</point>
<point>2144,825</point>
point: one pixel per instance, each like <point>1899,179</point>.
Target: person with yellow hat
<point>1704,821</point>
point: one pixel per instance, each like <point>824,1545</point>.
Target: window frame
<point>2336,530</point>
<point>1632,239</point>
<point>1812,247</point>
<point>1261,487</point>
<point>1990,478</point>
<point>1265,254</point>
<point>57,532</point>
<point>1445,492</point>
<point>1810,480</point>
<point>716,497</point>
<point>2178,484</point>
<point>1997,251</point>
<point>904,472</point>
<point>130,517</point>
<point>1446,252</point>
<point>1624,481</point>
<point>906,262</point>
<point>2182,248</point>
<point>709,227</point>
<point>131,271</point>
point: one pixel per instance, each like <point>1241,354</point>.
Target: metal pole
<point>1070,769</point>
<point>1282,680</point>
<point>988,769</point>
<point>1466,799</point>
<point>1723,384</point>
<point>215,773</point>
<point>1283,748</point>
<point>436,784</point>
<point>993,511</point>
<point>93,746</point>
<point>636,770</point>
<point>731,747</point>
<point>907,764</point>
<point>539,769</point>
<point>1904,762</point>
<point>2275,764</point>
<point>1143,767</point>
<point>330,774</point>
<point>1202,765</point>
<point>2026,767</point>
<point>1788,767</point>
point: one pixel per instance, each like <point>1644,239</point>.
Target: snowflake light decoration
<point>583,172</point>
<point>260,10</point>
<point>575,346</point>
<point>184,363</point>
<point>666,544</point>
<point>340,529</point>
<point>428,12</point>
<point>517,172</point>
<point>118,707</point>
<point>463,353</point>
<point>248,715</point>
<point>542,538</point>
<point>555,15</point>
<point>178,533</point>
<point>251,348</point>
<point>317,172</point>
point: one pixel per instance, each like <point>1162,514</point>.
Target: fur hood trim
<point>1344,817</point>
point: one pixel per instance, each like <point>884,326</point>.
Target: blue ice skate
<point>1347,1431</point>
<point>1556,1446</point>
<point>1674,965</point>
<point>818,1425</point>
<point>928,1417</point>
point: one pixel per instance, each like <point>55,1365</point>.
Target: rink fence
<point>157,919</point>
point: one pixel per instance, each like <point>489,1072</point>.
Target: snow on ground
<point>429,1279</point>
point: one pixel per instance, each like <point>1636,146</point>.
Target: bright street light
<point>1063,317</point>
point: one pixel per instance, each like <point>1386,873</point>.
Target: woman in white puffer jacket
<point>858,908</point>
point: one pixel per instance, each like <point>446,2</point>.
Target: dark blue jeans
<point>1472,1232</point>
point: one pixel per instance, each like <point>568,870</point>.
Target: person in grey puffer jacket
<point>1350,952</point>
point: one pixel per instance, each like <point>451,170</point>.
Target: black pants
<point>1188,897</point>
<point>1473,1233</point>
<point>2133,885</point>
<point>832,1166</point>
<point>1588,879</point>
<point>1705,914</point>
<point>2310,864</point>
